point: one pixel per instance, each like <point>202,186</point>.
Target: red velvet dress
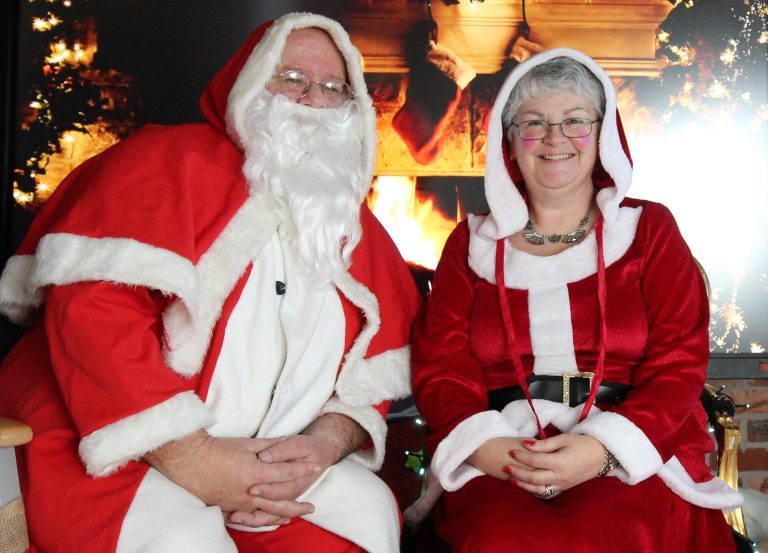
<point>654,295</point>
<point>664,498</point>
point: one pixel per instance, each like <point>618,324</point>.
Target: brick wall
<point>753,422</point>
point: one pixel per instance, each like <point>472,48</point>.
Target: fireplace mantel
<point>619,34</point>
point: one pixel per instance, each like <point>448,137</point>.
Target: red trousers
<point>295,537</point>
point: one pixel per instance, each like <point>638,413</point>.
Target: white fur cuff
<point>372,422</point>
<point>448,463</point>
<point>714,494</point>
<point>371,381</point>
<point>113,446</point>
<point>637,455</point>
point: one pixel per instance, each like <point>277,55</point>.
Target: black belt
<point>573,393</point>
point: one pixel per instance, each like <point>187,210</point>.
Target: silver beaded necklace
<point>534,237</point>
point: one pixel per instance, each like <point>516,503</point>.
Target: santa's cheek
<point>529,145</point>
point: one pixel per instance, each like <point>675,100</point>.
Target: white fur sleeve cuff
<point>106,450</point>
<point>449,465</point>
<point>372,422</point>
<point>637,455</point>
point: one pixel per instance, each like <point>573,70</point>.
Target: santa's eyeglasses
<point>296,85</point>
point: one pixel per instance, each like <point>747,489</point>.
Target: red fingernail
<point>507,470</point>
<point>512,453</point>
<point>529,442</point>
<point>513,481</point>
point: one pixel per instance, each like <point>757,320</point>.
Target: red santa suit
<point>139,276</point>
<point>664,498</point>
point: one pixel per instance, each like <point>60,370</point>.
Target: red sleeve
<point>668,383</point>
<point>448,382</point>
<point>106,354</point>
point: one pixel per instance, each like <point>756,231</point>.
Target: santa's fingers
<point>255,519</point>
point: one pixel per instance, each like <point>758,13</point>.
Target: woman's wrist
<point>609,463</point>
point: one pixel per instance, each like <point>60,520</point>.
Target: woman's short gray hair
<point>558,75</point>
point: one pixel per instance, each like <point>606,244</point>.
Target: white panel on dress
<point>551,330</point>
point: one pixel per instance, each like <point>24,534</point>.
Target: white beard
<point>307,163</point>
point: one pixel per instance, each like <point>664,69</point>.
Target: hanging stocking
<point>433,93</point>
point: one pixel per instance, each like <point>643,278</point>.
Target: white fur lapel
<point>524,271</point>
<point>188,338</point>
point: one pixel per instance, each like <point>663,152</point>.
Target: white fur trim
<point>106,450</point>
<point>372,422</point>
<point>549,312</point>
<point>509,213</point>
<point>714,494</point>
<point>371,381</point>
<point>17,302</point>
<point>366,301</point>
<point>449,464</point>
<point>188,339</point>
<point>264,59</point>
<point>637,455</point>
<point>63,258</point>
<point>450,64</point>
<point>524,271</point>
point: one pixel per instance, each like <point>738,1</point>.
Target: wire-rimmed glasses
<point>295,84</point>
<point>538,129</point>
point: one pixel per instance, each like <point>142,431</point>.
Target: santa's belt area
<point>570,389</point>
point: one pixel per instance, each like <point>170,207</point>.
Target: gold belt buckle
<point>567,383</point>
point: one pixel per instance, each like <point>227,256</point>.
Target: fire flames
<point>417,227</point>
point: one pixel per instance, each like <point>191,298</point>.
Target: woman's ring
<point>549,490</point>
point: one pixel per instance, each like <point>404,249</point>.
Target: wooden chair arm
<point>14,433</point>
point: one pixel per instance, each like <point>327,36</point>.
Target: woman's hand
<point>563,461</point>
<point>494,457</point>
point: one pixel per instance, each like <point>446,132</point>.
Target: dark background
<point>172,48</point>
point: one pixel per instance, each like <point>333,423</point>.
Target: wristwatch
<point>609,463</point>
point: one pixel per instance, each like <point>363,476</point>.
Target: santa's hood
<point>229,95</point>
<point>503,184</point>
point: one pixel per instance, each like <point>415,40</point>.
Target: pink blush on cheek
<point>529,145</point>
<point>583,142</point>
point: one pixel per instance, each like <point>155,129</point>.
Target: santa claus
<point>219,323</point>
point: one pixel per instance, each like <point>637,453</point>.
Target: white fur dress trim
<point>107,449</point>
<point>638,457</point>
<point>714,494</point>
<point>524,271</point>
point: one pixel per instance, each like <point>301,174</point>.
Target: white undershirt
<point>288,345</point>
